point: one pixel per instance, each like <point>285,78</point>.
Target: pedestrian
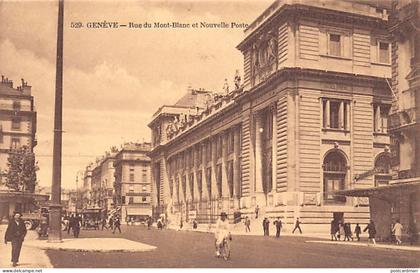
<point>149,222</point>
<point>66,222</point>
<point>247,224</point>
<point>111,223</point>
<point>341,231</point>
<point>297,226</point>
<point>104,224</point>
<point>392,239</point>
<point>265,224</point>
<point>257,210</point>
<point>76,226</point>
<point>195,224</point>
<point>397,230</point>
<point>117,224</point>
<point>357,231</point>
<point>71,222</point>
<point>412,232</point>
<point>278,225</point>
<point>333,230</point>
<point>15,233</point>
<point>347,232</point>
<point>372,231</point>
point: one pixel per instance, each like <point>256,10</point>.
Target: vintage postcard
<point>210,134</point>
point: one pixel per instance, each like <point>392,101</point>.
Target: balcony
<point>403,119</point>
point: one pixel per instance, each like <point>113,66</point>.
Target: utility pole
<point>54,234</point>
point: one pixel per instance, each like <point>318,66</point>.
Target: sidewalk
<point>364,244</point>
<point>325,238</point>
<point>93,245</point>
<point>29,257</point>
<point>205,228</point>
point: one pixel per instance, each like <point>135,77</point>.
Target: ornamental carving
<point>264,56</point>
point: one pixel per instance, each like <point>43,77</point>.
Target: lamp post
<point>54,234</point>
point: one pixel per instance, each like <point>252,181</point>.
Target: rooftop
<point>6,87</point>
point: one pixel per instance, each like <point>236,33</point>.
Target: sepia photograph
<point>256,134</point>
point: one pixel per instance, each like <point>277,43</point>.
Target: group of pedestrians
<point>266,225</point>
<point>73,223</point>
<point>340,229</point>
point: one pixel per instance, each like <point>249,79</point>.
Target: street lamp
<point>54,234</point>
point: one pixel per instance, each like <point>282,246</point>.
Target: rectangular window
<point>231,141</point>
<point>131,200</point>
<point>199,154</point>
<point>334,44</point>
<point>334,112</point>
<point>384,52</point>
<point>219,179</point>
<point>131,177</point>
<point>333,184</point>
<point>144,199</point>
<point>380,121</point>
<point>131,188</point>
<point>123,199</point>
<point>219,146</point>
<point>16,105</point>
<point>208,151</point>
<point>16,123</point>
<point>15,144</point>
<point>208,180</point>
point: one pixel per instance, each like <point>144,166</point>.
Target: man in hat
<point>15,233</point>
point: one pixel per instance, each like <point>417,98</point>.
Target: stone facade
<point>132,181</point>
<point>309,119</point>
<point>17,119</point>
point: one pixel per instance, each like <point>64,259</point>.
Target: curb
<point>393,247</point>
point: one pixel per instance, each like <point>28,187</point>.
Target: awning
<point>138,211</point>
<point>367,192</point>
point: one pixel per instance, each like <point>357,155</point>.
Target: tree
<point>21,175</point>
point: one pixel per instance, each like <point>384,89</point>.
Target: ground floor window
<point>335,169</point>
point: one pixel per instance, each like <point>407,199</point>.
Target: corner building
<point>132,189</point>
<point>310,119</point>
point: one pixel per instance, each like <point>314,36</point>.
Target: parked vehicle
<point>33,219</point>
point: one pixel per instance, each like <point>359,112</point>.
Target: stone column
<point>377,119</point>
<point>327,114</point>
<point>214,189</point>
<point>347,118</point>
<point>225,184</point>
<point>274,149</point>
<point>341,115</point>
<point>259,192</point>
<point>206,194</point>
<point>236,167</point>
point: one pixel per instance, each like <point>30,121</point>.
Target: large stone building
<point>17,129</point>
<point>309,119</point>
<point>132,182</point>
<point>400,199</point>
<point>17,119</point>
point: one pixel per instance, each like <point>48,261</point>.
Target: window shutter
<point>373,49</point>
<point>323,38</point>
<point>346,46</point>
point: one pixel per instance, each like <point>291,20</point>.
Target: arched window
<point>382,169</point>
<point>335,170</point>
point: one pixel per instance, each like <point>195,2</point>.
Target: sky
<point>115,79</point>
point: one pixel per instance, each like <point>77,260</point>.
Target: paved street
<point>195,249</point>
